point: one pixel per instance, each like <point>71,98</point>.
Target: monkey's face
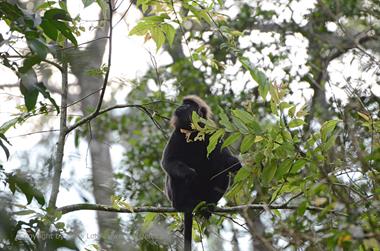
<point>184,112</point>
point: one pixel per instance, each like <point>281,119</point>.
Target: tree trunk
<point>102,173</point>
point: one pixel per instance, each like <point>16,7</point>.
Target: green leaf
<point>195,119</point>
<point>158,37</point>
<point>24,212</point>
<point>247,143</point>
<point>327,128</point>
<point>5,149</point>
<point>224,121</point>
<point>273,107</point>
<point>140,29</point>
<point>148,220</point>
<point>292,111</point>
<point>57,14</point>
<point>283,105</point>
<point>27,189</point>
<point>169,32</point>
<point>302,208</point>
<point>263,82</point>
<point>42,89</point>
<point>242,174</point>
<point>330,143</point>
<point>255,126</point>
<point>203,14</point>
<point>11,11</point>
<point>283,168</point>
<point>155,19</point>
<point>298,165</point>
<point>244,116</point>
<point>274,94</point>
<point>29,62</point>
<point>45,5</point>
<point>268,174</point>
<point>296,123</point>
<point>49,29</point>
<point>4,127</point>
<point>38,47</point>
<point>213,141</point>
<point>87,3</point>
<point>66,31</point>
<point>60,225</point>
<point>364,116</point>
<point>231,139</point>
<point>27,87</point>
<point>240,125</point>
<point>258,76</point>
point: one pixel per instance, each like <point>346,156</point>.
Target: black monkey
<point>192,177</point>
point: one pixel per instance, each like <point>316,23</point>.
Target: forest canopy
<point>88,88</point>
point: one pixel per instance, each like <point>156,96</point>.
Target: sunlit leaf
<point>158,36</point>
<point>258,76</point>
<point>242,174</point>
<point>224,121</point>
<point>231,139</point>
<point>169,32</point>
<point>247,143</point>
<point>298,165</point>
<point>268,173</point>
<point>274,94</point>
<point>240,125</point>
<point>364,116</point>
<point>87,3</point>
<point>244,116</point>
<point>24,212</point>
<point>327,128</point>
<point>283,168</point>
<point>296,123</point>
<point>213,141</point>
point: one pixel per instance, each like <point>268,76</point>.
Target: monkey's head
<point>181,118</point>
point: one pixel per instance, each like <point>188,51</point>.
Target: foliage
<point>313,168</point>
<point>39,33</point>
<point>316,153</point>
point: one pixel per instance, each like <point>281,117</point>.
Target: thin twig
<point>125,13</point>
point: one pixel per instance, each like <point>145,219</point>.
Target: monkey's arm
<point>178,169</point>
<point>225,161</point>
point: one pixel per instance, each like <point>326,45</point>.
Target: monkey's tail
<point>188,230</point>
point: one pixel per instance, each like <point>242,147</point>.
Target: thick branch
<point>149,209</point>
<point>61,139</point>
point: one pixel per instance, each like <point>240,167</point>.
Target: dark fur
<point>189,172</point>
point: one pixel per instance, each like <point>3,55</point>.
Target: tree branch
<point>58,160</point>
<point>150,209</point>
<point>92,115</point>
<point>106,76</point>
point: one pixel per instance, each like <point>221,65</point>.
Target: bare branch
<point>105,82</point>
<point>58,161</point>
<point>58,66</point>
<point>141,107</point>
<point>150,209</point>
